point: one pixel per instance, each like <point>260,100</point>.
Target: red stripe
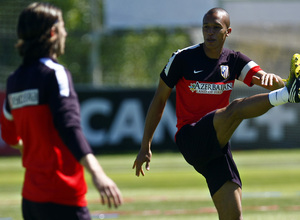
<point>250,74</point>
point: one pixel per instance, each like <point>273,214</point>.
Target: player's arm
<point>153,117</point>
<point>8,128</point>
<point>269,81</point>
<point>65,110</point>
<point>108,189</point>
<point>66,118</point>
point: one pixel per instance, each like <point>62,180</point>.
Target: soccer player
<point>41,117</point>
<point>204,76</point>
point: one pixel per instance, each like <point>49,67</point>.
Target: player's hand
<point>269,81</point>
<point>19,146</point>
<point>144,156</point>
<point>109,192</point>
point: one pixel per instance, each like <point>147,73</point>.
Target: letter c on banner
<point>89,108</point>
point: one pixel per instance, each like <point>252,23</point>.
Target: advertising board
<point>113,122</point>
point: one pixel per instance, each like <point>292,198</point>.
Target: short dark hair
<point>34,27</point>
<point>219,10</point>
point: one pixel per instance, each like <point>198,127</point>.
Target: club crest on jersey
<point>224,71</point>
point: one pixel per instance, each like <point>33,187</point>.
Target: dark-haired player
<point>41,117</point>
<point>204,77</point>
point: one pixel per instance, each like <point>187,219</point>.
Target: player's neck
<point>53,56</point>
<point>213,53</point>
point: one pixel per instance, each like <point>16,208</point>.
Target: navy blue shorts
<point>199,146</point>
<point>50,211</point>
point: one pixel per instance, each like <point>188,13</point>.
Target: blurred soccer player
<point>41,117</point>
<point>204,76</point>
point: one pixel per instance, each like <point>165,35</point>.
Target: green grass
<point>173,190</point>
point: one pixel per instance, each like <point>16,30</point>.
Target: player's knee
<point>231,211</point>
<point>233,109</point>
<point>237,217</point>
<point>235,214</point>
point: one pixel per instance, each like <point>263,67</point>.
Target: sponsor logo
<point>224,71</point>
<point>209,88</point>
<point>199,71</point>
<point>24,98</point>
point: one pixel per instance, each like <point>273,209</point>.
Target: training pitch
<point>173,190</point>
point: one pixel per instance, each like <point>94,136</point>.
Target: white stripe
<point>61,76</point>
<point>174,55</point>
<point>6,114</point>
<point>169,64</point>
<point>246,69</point>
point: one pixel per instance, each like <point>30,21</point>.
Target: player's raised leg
<point>228,198</point>
<point>226,120</point>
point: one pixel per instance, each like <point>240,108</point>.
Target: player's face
<point>215,31</point>
<point>62,34</point>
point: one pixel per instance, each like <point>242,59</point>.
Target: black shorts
<point>50,211</point>
<point>199,146</point>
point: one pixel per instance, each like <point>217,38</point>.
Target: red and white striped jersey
<point>203,84</point>
<point>42,109</point>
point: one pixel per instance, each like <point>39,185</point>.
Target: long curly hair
<point>34,30</point>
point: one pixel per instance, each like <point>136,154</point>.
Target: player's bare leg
<point>226,120</point>
<point>228,201</point>
<point>228,198</point>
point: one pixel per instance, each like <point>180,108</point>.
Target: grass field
<point>173,190</point>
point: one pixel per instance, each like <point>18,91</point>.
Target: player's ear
<point>53,32</point>
<point>228,31</point>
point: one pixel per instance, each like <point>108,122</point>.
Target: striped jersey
<point>203,84</point>
<point>42,109</point>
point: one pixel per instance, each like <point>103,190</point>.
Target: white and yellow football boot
<point>293,82</point>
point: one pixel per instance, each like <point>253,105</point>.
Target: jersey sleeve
<point>8,128</point>
<point>64,106</point>
<point>171,73</point>
<point>248,68</point>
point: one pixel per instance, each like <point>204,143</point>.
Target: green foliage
<point>127,58</point>
<point>76,13</point>
<point>135,59</point>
